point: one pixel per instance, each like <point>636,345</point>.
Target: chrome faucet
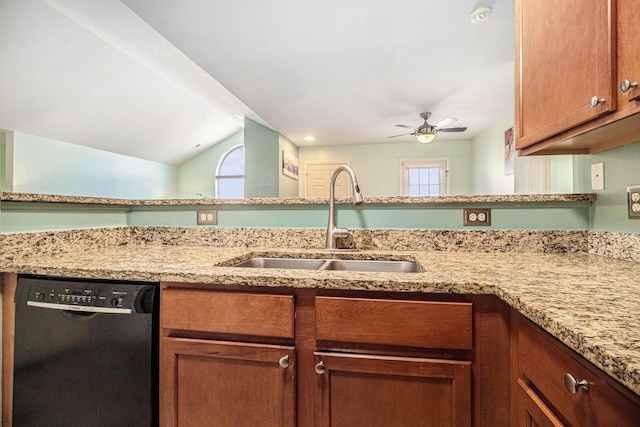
<point>334,232</point>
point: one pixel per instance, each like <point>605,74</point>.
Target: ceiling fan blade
<point>445,122</point>
<point>452,129</point>
<point>405,126</point>
<point>402,134</point>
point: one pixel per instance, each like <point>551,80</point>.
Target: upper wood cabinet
<point>572,57</point>
<point>628,58</point>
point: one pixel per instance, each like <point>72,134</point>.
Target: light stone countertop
<point>517,198</point>
<point>589,302</point>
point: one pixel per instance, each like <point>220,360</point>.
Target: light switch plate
<point>633,198</point>
<point>597,176</point>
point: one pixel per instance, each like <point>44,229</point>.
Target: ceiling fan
<point>426,132</point>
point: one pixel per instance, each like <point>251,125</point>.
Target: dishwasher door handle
<point>84,308</point>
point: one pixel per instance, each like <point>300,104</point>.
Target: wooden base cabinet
<point>216,383</point>
<point>556,387</point>
<point>224,358</point>
<point>532,411</point>
<point>280,357</point>
<point>356,387</point>
<point>386,391</point>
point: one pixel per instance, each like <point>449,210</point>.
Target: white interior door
<point>318,177</point>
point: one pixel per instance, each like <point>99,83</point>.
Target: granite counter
<point>588,302</point>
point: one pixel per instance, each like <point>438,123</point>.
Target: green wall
<point>6,153</point>
<point>261,156</point>
<point>621,169</point>
<point>488,159</point>
<point>488,165</point>
<point>47,166</point>
<point>377,166</point>
<point>33,164</point>
<point>288,186</point>
<point>197,175</point>
<point>27,217</point>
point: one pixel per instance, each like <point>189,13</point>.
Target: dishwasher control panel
<point>106,297</point>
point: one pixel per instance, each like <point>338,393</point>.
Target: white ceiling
<point>155,79</point>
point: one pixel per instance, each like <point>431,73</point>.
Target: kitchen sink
<point>286,263</point>
<point>331,264</point>
<point>372,265</point>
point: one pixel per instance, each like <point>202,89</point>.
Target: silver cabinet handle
<point>320,368</point>
<point>626,85</point>
<point>595,101</point>
<point>574,385</point>
<point>284,362</point>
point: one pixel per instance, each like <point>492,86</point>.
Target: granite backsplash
<point>615,245</point>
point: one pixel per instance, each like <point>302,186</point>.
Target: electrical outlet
<point>633,198</point>
<point>480,216</point>
<point>207,217</point>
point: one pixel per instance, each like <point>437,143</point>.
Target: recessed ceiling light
<point>309,138</point>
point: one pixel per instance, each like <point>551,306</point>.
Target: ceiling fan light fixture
<point>426,138</point>
<point>480,14</point>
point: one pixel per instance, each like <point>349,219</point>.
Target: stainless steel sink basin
<point>331,264</point>
<point>372,265</point>
<point>286,263</point>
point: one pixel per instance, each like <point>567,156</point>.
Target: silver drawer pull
<point>574,385</point>
<point>284,362</point>
<point>320,368</point>
<point>595,101</point>
<point>626,85</point>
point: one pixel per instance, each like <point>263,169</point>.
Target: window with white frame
<point>425,177</point>
<point>230,174</point>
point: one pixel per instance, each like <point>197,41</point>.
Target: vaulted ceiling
<point>163,79</point>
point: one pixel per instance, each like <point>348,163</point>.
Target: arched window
<point>230,174</point>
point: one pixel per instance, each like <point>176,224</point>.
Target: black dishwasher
<point>86,353</point>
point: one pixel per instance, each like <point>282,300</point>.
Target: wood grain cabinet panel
<point>217,383</point>
<point>367,390</point>
<point>532,411</point>
<point>566,56</point>
<point>424,324</point>
<point>628,58</point>
<point>241,313</point>
<point>544,362</point>
<point>569,51</point>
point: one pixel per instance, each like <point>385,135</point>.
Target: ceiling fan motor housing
<point>426,129</point>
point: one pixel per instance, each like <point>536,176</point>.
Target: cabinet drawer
<point>532,411</point>
<point>544,361</point>
<point>425,324</point>
<point>228,312</point>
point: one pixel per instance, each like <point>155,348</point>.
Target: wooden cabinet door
<point>367,390</point>
<point>216,383</point>
<point>565,56</point>
<point>532,412</point>
<point>628,58</point>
